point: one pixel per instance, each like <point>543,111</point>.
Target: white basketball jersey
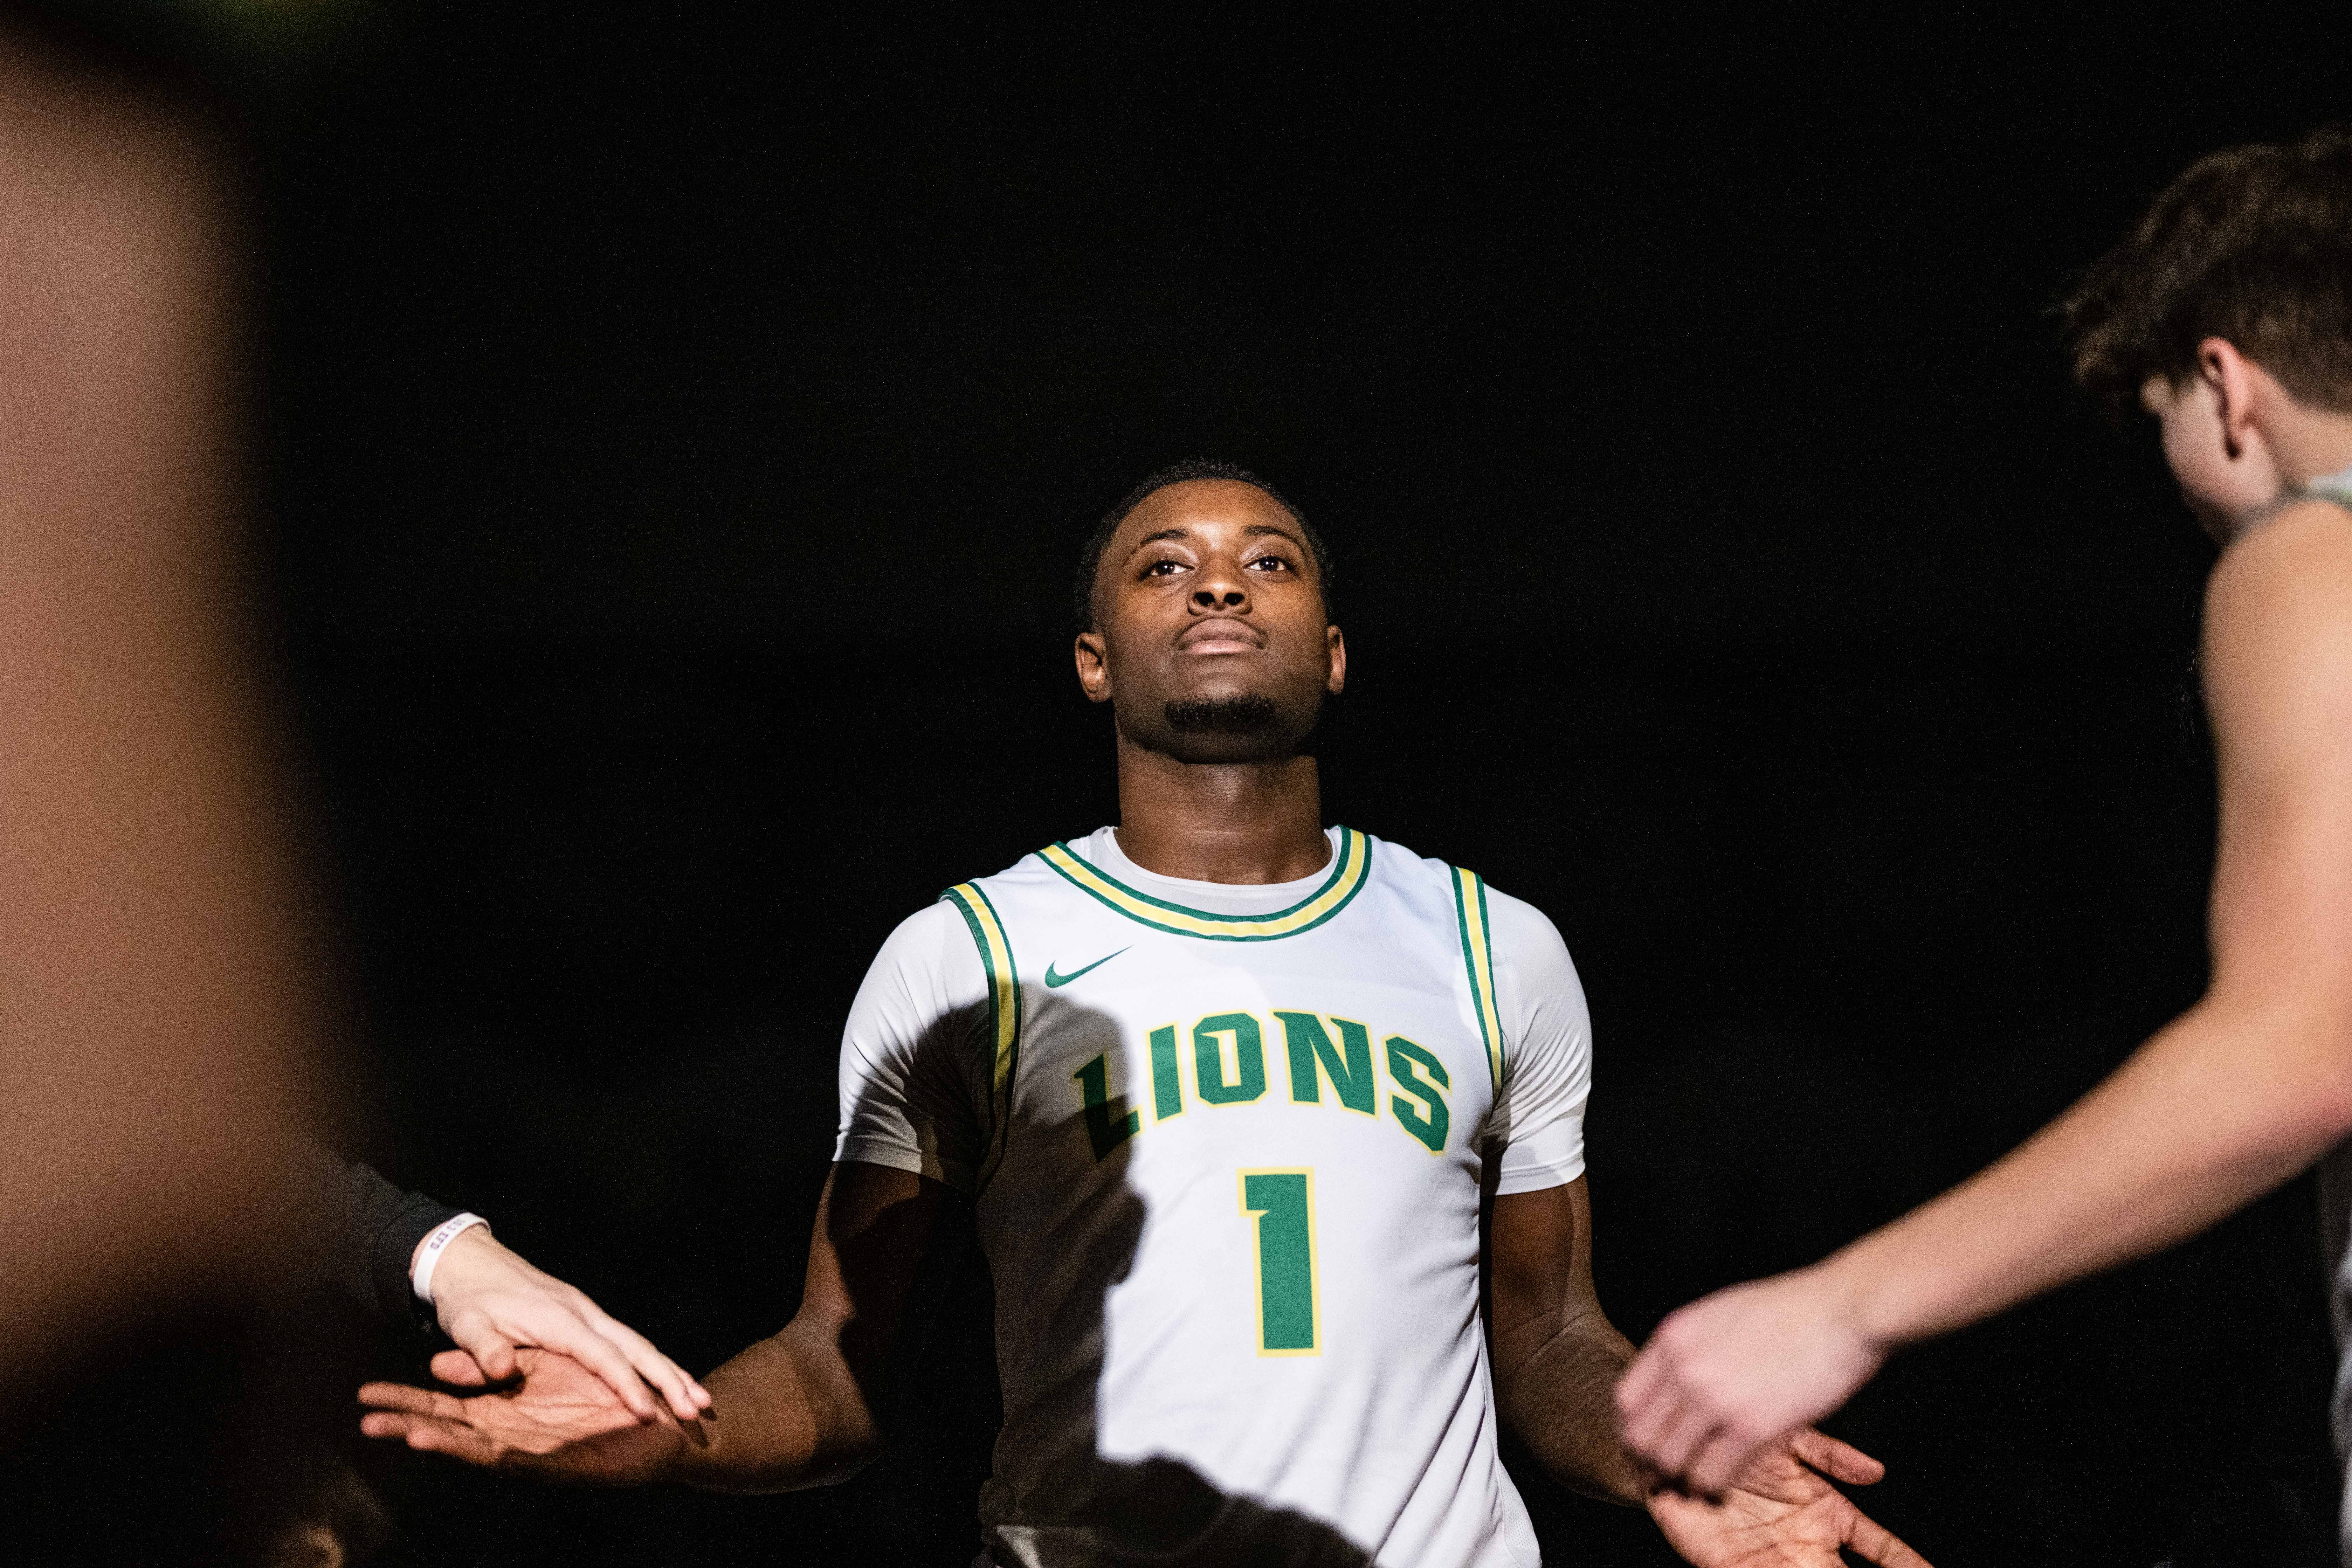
<point>1226,1146</point>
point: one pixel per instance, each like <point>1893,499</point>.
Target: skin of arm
<point>803,1402</point>
<point>1556,1357</point>
<point>2232,1098</point>
<point>797,1409</point>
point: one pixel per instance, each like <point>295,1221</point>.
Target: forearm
<point>1552,1388</point>
<point>2217,1108</point>
<point>784,1415</point>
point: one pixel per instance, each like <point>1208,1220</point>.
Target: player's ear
<point>1094,667</point>
<point>2231,376</point>
<point>1336,646</point>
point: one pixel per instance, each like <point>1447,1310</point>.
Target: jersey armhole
<point>1478,961</point>
<point>1003,1038</point>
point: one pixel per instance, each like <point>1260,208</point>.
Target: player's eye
<point>1163,568</point>
<point>1270,563</point>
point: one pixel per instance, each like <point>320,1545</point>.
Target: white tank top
<point>1226,1144</point>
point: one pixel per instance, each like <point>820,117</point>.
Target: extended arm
<point>800,1409</point>
<point>1556,1357</point>
<point>2231,1098</point>
<point>368,1235</point>
<point>797,1409</point>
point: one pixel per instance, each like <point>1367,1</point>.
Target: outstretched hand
<point>559,1421</point>
<point>492,1302</point>
<point>1782,1513</point>
<point>1736,1371</point>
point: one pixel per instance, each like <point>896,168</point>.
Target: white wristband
<point>420,1273</point>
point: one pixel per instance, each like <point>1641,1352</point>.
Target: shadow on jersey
<point>1072,1505</point>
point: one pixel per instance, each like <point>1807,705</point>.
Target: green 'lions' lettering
<point>1209,1078</point>
<point>1110,1123</point>
<point>1429,1120</point>
<point>1313,1057</point>
<point>1229,1068</point>
<point>1167,1087</point>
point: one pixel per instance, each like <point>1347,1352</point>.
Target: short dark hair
<point>2253,244</point>
<point>1090,553</point>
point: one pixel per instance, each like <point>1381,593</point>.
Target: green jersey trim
<point>1479,960</point>
<point>1350,869</point>
<point>1004,1014</point>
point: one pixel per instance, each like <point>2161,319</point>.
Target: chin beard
<point>1251,713</point>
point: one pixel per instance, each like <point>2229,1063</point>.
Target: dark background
<point>675,431</point>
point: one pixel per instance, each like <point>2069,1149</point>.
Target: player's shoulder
<point>1513,924</point>
<point>1519,922</point>
<point>2278,611</point>
<point>2299,558</point>
<point>1417,877</point>
<point>945,919</point>
<point>1024,875</point>
<point>923,937</point>
<point>1527,943</point>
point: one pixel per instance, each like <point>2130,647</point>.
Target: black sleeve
<point>368,1230</point>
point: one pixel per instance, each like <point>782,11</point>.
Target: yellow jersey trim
<point>1350,868</point>
<point>1479,958</point>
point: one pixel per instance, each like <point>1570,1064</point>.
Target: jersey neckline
<point>1351,866</point>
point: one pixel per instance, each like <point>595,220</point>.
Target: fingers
<point>1717,1462</point>
<point>1637,1390</point>
<point>1689,1430</point>
<point>1644,1404</point>
<point>400,1398</point>
<point>552,1324</point>
<point>428,1435</point>
<point>1876,1541</point>
<point>460,1368</point>
<point>479,1338</point>
<point>687,1398</point>
<point>575,1337</point>
<point>1838,1461</point>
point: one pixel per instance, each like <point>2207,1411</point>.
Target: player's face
<point>2219,484</point>
<point>1211,640</point>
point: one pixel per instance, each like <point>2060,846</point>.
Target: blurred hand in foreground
<point>493,1304</point>
<point>559,1421</point>
<point>1734,1372</point>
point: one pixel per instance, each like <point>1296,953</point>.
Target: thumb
<point>490,1349</point>
<point>1838,1461</point>
<point>457,1367</point>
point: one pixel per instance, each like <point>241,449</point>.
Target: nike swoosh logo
<point>1053,980</point>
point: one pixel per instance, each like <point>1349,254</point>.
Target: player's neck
<point>1224,822</point>
<point>2309,443</point>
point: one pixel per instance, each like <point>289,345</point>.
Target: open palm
<point>1782,1513</point>
<point>558,1420</point>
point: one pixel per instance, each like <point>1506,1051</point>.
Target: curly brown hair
<point>2253,245</point>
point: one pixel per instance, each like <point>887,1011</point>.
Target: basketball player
<point>2228,314</point>
<point>1227,1089</point>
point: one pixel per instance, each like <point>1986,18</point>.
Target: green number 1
<point>1283,1202</point>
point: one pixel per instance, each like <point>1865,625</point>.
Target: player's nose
<point>1220,589</point>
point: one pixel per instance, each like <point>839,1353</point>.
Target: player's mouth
<point>1220,635</point>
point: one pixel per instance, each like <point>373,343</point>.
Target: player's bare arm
<point>2222,313</point>
<point>1224,1083</point>
<point>2231,1099</point>
<point>1557,1356</point>
<point>793,1410</point>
